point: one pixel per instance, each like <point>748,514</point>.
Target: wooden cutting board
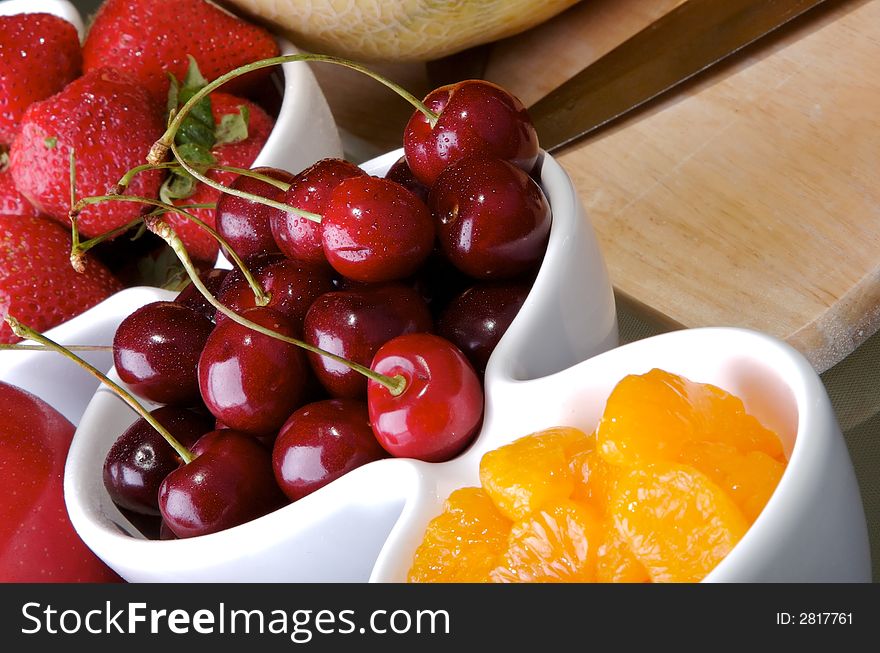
<point>749,198</point>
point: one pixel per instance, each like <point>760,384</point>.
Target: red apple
<point>37,540</point>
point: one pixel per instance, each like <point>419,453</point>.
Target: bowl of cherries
<point>368,314</point>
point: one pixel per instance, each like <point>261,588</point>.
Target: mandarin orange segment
<point>464,543</point>
<point>593,477</point>
<point>526,474</point>
<point>615,561</point>
<point>652,416</point>
<point>749,479</point>
<point>676,521</point>
<point>556,544</point>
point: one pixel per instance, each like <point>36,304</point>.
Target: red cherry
<point>230,482</point>
<point>156,351</point>
<point>249,381</point>
<point>321,442</point>
<point>493,221</point>
<point>441,408</point>
<point>190,296</point>
<point>37,541</point>
<point>375,230</point>
<point>476,117</point>
<point>476,320</point>
<point>140,459</point>
<point>401,173</point>
<point>245,224</point>
<point>292,287</point>
<point>300,238</point>
<point>353,324</point>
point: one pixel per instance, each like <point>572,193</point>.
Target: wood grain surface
<point>750,197</point>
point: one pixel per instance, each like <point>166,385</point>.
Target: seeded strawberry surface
<point>37,284</point>
<point>11,201</point>
<point>39,54</point>
<point>150,38</point>
<point>110,123</point>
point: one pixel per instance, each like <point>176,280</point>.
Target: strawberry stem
<point>23,331</point>
<point>395,385</point>
<point>160,148</point>
<point>262,297</point>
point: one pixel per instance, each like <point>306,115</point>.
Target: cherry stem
<point>77,251</point>
<point>160,148</point>
<point>23,331</point>
<point>395,385</point>
<point>258,199</point>
<point>77,263</point>
<point>18,347</point>
<point>174,165</point>
<point>262,297</point>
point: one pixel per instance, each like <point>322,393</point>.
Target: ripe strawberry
<point>11,201</point>
<point>200,245</point>
<point>151,38</point>
<point>110,122</point>
<point>37,283</point>
<point>39,55</point>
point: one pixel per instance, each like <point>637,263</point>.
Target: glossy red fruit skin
<point>37,284</point>
<point>201,245</point>
<point>245,224</point>
<point>140,459</point>
<point>156,352</point>
<point>39,55</point>
<point>440,411</point>
<point>229,483</point>
<point>37,541</point>
<point>354,324</point>
<point>476,320</point>
<point>320,442</point>
<point>191,297</point>
<point>292,286</point>
<point>249,381</point>
<point>401,173</point>
<point>148,41</point>
<point>476,117</point>
<point>300,238</point>
<point>375,230</point>
<point>130,122</point>
<point>493,221</point>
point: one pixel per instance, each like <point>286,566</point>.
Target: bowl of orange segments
<point>660,478</point>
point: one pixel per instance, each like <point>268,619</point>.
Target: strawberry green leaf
<point>196,155</point>
<point>198,126</point>
<point>173,101</point>
<point>178,186</point>
<point>233,127</point>
<point>163,270</point>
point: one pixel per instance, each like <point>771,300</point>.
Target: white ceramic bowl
<point>336,533</point>
<point>303,133</point>
<point>813,527</point>
<point>60,8</point>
